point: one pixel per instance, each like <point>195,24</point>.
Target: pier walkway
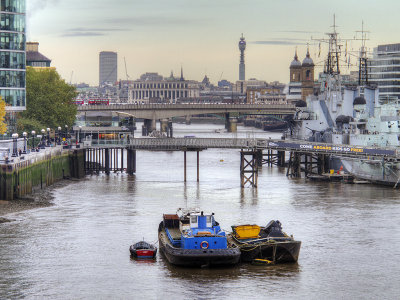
<point>181,144</point>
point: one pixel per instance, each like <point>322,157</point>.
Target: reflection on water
<point>79,248</point>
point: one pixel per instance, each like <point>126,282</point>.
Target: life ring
<point>204,245</point>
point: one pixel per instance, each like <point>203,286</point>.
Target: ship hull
<point>372,170</point>
<point>196,257</point>
<point>277,252</point>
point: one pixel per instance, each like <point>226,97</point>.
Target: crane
<point>127,82</point>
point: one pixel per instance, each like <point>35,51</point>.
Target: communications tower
<point>242,47</point>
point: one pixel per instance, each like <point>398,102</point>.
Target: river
<point>79,247</point>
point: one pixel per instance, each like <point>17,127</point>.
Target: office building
<point>154,88</point>
<point>12,54</point>
<point>108,67</point>
<point>384,70</point>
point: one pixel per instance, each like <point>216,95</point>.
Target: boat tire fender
<point>204,245</point>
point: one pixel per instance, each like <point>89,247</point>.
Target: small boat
<point>143,249</point>
<point>267,244</point>
<point>195,239</point>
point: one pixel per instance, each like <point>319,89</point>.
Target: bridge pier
<point>188,120</point>
<point>149,125</point>
<point>232,124</point>
<point>166,127</point>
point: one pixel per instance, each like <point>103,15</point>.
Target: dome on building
<point>359,101</point>
<point>343,119</point>
<point>301,103</point>
<point>308,60</point>
<point>295,63</point>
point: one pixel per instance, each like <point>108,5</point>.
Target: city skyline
<point>159,37</point>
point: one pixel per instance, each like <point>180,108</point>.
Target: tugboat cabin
<point>197,231</point>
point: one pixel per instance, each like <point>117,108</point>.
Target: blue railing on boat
<point>175,243</point>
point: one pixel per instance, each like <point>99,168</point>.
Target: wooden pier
<point>310,159</point>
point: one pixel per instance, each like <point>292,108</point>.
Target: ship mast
<point>363,60</point>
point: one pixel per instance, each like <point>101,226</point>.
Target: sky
<point>200,35</point>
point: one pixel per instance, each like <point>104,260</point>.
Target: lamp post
<point>66,132</point>
<point>33,139</point>
<point>43,139</point>
<point>59,136</point>
<point>24,135</point>
<point>15,142</point>
<point>48,137</point>
<point>79,135</point>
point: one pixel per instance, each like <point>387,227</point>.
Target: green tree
<point>3,125</point>
<point>49,101</point>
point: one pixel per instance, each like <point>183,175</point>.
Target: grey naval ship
<point>351,115</point>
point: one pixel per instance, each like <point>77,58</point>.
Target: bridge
<point>153,112</point>
<point>307,157</point>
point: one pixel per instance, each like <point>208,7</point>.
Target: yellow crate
<point>247,231</point>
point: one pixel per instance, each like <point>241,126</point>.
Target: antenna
<point>70,79</point>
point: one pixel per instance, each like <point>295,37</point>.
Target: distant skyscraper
<point>108,67</point>
<point>242,47</point>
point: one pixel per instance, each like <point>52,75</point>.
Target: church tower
<point>307,76</point>
<point>295,69</point>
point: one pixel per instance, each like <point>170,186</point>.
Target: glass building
<point>12,54</point>
<point>384,70</point>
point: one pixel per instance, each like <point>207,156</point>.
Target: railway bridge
<point>151,113</point>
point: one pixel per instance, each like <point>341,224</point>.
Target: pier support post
<point>131,161</point>
<point>184,166</point>
<point>281,158</point>
<point>107,161</point>
<point>248,168</point>
<point>259,156</point>
<point>169,129</point>
<point>198,166</point>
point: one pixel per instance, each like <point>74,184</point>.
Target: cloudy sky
<point>201,35</point>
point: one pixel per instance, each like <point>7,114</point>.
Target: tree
<point>3,125</point>
<point>49,101</point>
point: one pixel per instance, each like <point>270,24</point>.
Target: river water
<point>78,248</point>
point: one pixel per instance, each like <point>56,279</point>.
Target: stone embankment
<point>23,175</point>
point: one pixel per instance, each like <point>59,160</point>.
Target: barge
<point>195,239</point>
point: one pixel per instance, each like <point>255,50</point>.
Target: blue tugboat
<point>195,239</point>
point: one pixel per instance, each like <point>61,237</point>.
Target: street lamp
<point>59,136</point>
<point>66,132</point>
<point>48,137</point>
<point>24,135</point>
<point>15,141</point>
<point>33,139</point>
<point>79,135</point>
<point>42,141</point>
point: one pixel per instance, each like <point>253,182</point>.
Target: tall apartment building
<point>108,67</point>
<point>384,70</point>
<point>12,54</point>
